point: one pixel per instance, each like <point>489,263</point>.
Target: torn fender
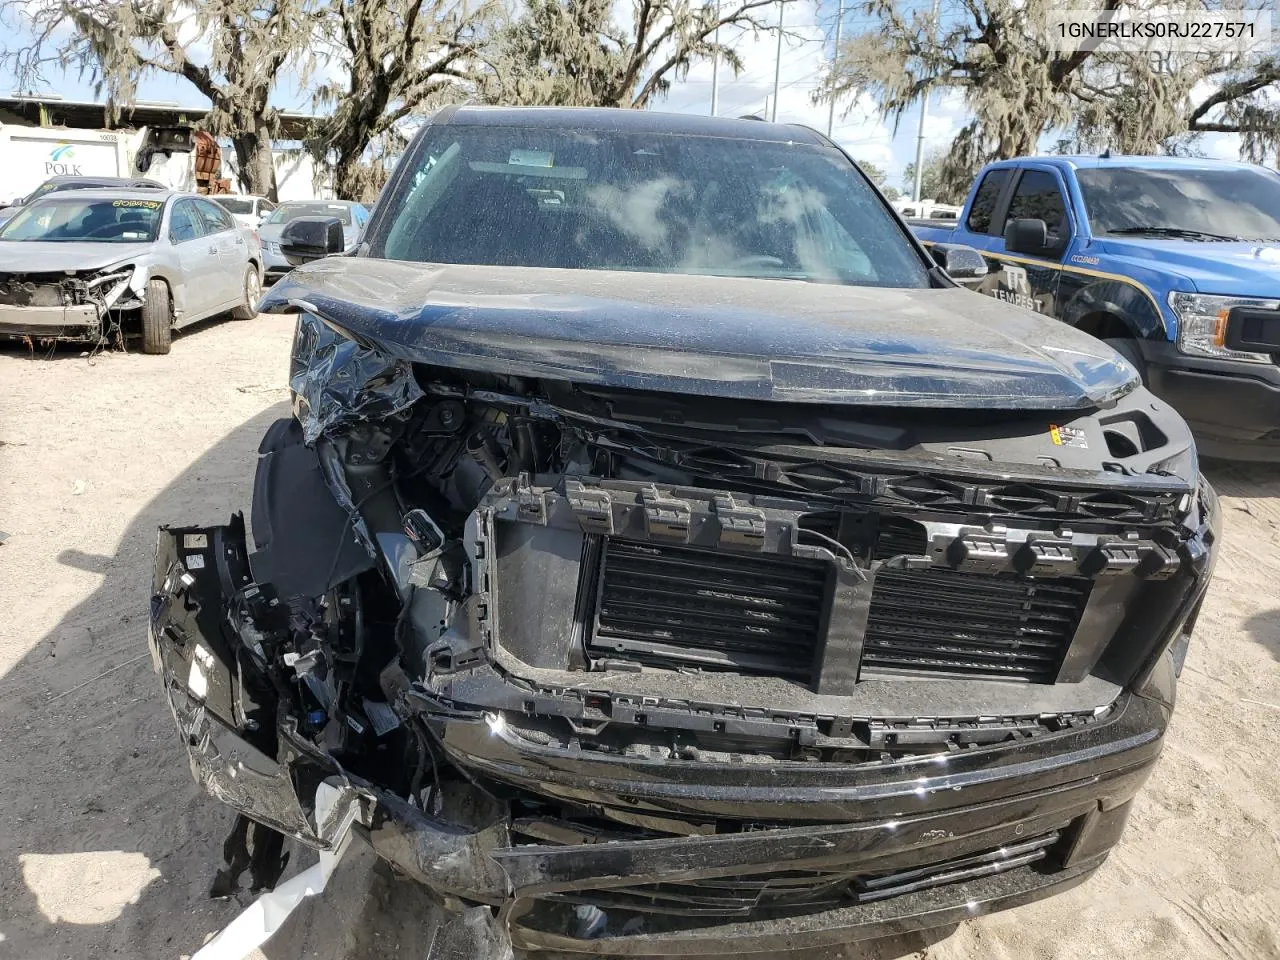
<point>242,740</point>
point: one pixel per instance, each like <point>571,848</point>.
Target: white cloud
<point>1220,146</point>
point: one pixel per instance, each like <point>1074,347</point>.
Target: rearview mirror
<point>1027,236</point>
<point>963,263</point>
<point>310,238</point>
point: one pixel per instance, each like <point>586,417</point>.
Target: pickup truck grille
<point>998,627</point>
<point>757,896</point>
<point>668,606</point>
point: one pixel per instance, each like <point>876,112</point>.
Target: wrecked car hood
<point>741,338</point>
<point>36,257</point>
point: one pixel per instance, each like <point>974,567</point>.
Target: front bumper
<point>765,855</point>
<point>901,846</point>
<point>77,322</point>
<point>274,264</point>
<point>1232,407</point>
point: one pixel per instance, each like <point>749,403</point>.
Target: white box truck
<point>31,155</point>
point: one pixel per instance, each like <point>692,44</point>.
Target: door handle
<point>214,248</point>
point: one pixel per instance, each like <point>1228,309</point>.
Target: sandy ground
<point>107,848</point>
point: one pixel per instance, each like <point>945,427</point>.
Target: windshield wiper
<point>1172,232</point>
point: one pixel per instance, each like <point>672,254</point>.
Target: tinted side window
<point>184,223</point>
<point>1038,198</point>
<point>217,218</point>
<point>984,201</point>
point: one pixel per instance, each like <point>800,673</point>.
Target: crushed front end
<point>655,675</point>
<point>76,305</point>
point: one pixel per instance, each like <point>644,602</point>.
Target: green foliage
<point>389,60</point>
<point>576,53</point>
<point>873,172</point>
<point>933,183</point>
<point>1017,89</point>
<point>243,45</point>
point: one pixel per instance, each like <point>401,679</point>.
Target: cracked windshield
<point>653,203</point>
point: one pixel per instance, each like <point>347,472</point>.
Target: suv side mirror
<point>963,264</point>
<point>1027,236</point>
<point>310,238</point>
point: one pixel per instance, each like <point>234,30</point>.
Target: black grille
<point>758,896</point>
<point>971,625</point>
<point>669,606</point>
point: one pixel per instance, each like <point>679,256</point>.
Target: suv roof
<point>628,121</point>
<point>90,182</point>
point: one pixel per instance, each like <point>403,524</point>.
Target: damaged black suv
<point>666,556</point>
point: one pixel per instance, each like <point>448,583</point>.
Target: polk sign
<point>61,162</point>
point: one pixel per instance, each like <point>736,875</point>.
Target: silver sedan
<point>96,265</point>
<point>352,216</point>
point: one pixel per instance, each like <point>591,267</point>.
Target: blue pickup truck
<point>1175,262</point>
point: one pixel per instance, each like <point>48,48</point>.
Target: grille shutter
<point>1000,627</point>
<point>669,606</point>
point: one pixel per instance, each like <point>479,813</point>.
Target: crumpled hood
<point>1222,267</point>
<point>29,256</point>
<point>726,337</point>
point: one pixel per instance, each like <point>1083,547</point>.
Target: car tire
<point>1130,350</point>
<point>157,318</point>
<point>251,289</point>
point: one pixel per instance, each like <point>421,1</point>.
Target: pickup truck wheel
<point>252,290</point>
<point>157,318</point>
<point>1130,350</point>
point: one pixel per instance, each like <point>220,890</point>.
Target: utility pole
<point>924,112</point>
<point>835,54</point>
<point>777,64</point>
<point>715,67</point>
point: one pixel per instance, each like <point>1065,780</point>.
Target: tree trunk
<point>347,181</point>
<point>257,169</point>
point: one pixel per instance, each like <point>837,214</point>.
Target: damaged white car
<point>97,266</point>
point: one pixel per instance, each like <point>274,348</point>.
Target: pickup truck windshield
<point>657,203</point>
<point>1236,204</point>
<point>62,218</point>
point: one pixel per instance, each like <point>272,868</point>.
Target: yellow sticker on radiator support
<point>1068,437</point>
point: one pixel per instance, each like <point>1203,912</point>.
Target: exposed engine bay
<point>638,672</point>
<point>89,306</point>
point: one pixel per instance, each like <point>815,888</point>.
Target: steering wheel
<point>102,229</point>
<point>758,260</point>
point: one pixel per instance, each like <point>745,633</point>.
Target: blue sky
<point>861,131</point>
